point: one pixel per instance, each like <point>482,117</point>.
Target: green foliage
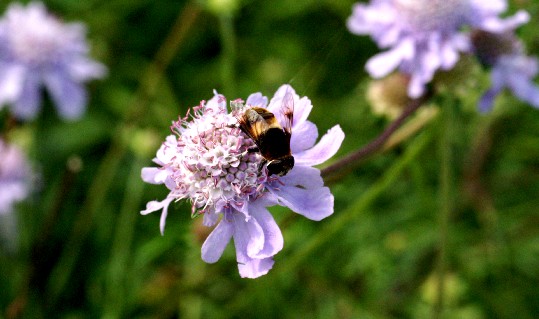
<point>85,252</point>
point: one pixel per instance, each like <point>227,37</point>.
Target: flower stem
<point>477,192</point>
<point>358,207</point>
<point>446,200</point>
<point>121,246</point>
<point>349,161</point>
<point>107,170</point>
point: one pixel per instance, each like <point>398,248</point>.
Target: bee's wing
<point>287,112</point>
<point>253,123</point>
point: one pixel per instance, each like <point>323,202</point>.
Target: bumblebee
<point>272,140</point>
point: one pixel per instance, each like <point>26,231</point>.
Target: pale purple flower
<point>15,185</point>
<point>515,72</point>
<point>511,68</point>
<point>423,36</point>
<point>37,50</point>
<point>207,163</point>
<point>15,175</point>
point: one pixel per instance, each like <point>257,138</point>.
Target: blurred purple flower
<point>208,164</point>
<point>511,68</point>
<point>37,50</point>
<point>15,179</point>
<point>424,35</point>
<point>15,175</point>
<point>515,72</point>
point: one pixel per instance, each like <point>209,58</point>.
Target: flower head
<point>15,177</point>
<point>511,68</point>
<point>387,97</point>
<point>36,50</point>
<point>423,36</point>
<point>209,163</point>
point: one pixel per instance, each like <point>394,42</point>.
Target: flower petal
<point>327,147</point>
<point>487,100</point>
<point>154,175</point>
<point>383,63</point>
<point>304,136</point>
<point>83,68</point>
<point>277,99</point>
<point>248,267</point>
<point>305,177</point>
<point>167,151</point>
<point>497,78</point>
<point>524,89</point>
<point>371,19</point>
<point>416,87</point>
<point>273,238</point>
<point>217,103</point>
<point>29,101</point>
<point>69,96</point>
<point>493,7</point>
<point>11,82</point>
<point>257,99</point>
<point>153,206</point>
<point>249,232</point>
<point>215,244</point>
<point>302,107</point>
<point>303,194</point>
<point>497,25</point>
<point>253,268</point>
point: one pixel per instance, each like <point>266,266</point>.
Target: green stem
<point>339,221</point>
<point>191,300</point>
<point>228,42</point>
<point>346,163</point>
<point>97,192</point>
<point>125,227</point>
<point>446,201</point>
<point>107,170</point>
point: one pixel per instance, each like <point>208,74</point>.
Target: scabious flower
<point>36,50</point>
<point>15,177</point>
<point>423,36</point>
<point>511,68</point>
<point>208,163</point>
<point>387,97</point>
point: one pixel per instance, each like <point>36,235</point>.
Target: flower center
<point>213,167</point>
<point>430,15</point>
<point>35,38</point>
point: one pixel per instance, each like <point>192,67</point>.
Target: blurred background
<point>78,247</point>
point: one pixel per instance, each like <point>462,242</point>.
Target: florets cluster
<point>424,36</point>
<point>208,162</point>
<point>510,67</point>
<point>215,168</point>
<point>15,175</point>
<point>37,50</point>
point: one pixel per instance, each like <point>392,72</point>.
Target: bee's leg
<point>253,149</point>
<point>261,165</point>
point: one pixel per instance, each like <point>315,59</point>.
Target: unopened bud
<point>388,96</point>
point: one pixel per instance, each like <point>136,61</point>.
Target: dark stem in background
<point>447,197</point>
<point>107,170</point>
<point>41,246</point>
<point>348,162</point>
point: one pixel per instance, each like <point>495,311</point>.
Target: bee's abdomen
<point>274,143</point>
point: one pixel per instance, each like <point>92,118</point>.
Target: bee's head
<point>280,166</point>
